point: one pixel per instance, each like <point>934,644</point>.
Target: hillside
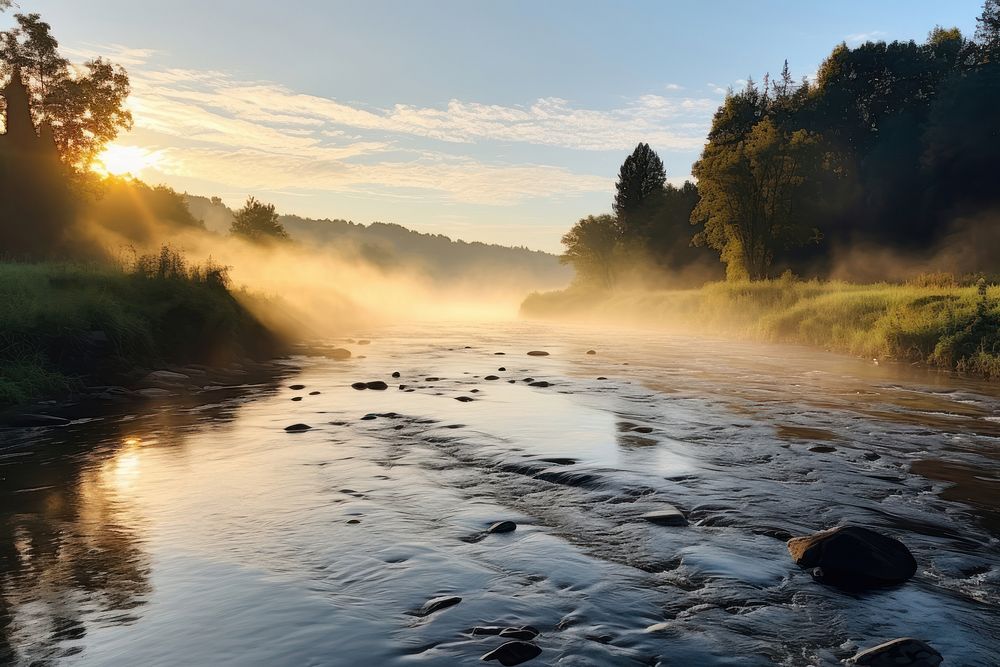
<point>391,246</point>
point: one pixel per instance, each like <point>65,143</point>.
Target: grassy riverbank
<point>64,325</point>
<point>937,322</point>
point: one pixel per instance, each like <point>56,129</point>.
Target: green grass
<point>63,324</point>
<point>945,325</point>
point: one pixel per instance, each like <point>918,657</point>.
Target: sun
<point>117,160</point>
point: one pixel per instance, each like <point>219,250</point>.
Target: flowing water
<point>195,531</point>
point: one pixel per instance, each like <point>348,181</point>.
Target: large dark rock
<point>513,653</point>
<point>377,385</point>
<point>854,558</point>
<point>298,428</point>
<point>435,604</point>
<point>904,652</point>
<point>360,385</point>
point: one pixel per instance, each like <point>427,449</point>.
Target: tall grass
<point>935,320</point>
<point>62,324</point>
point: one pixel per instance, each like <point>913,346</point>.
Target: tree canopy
<point>85,107</point>
<point>258,222</point>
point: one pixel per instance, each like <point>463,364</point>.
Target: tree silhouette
<point>257,221</point>
<point>85,108</point>
<point>640,176</point>
<point>591,247</point>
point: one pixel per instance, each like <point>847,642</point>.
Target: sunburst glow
<point>117,160</point>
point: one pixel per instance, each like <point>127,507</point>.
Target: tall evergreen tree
<point>640,176</point>
<point>988,31</point>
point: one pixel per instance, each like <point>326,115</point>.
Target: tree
<point>748,197</point>
<point>85,108</point>
<point>591,247</point>
<point>988,31</point>
<point>257,222</point>
<point>640,176</point>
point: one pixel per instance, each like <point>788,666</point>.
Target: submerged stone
<point>502,527</point>
<point>513,653</point>
<point>853,557</point>
<point>298,428</point>
<point>436,604</point>
<point>540,383</point>
<point>591,351</point>
<point>667,515</point>
<point>903,652</point>
<point>525,632</point>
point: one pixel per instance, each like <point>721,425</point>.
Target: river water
<point>194,530</point>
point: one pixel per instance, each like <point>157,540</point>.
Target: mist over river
<point>194,530</point>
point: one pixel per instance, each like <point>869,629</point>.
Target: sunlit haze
<point>500,122</point>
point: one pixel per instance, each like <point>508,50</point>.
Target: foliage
<point>948,327</point>
<point>63,324</point>
<point>85,108</point>
<point>591,246</point>
<point>258,222</point>
<point>640,176</point>
<point>749,190</point>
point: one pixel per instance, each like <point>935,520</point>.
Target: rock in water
<point>540,383</point>
<point>434,604</point>
<point>667,515</point>
<point>395,374</point>
<point>297,428</point>
<point>377,385</point>
<point>296,398</point>
<point>491,377</point>
<point>538,353</point>
<point>503,527</point>
<point>513,653</point>
<point>296,387</point>
<point>360,385</point>
<point>904,652</point>
<point>591,351</point>
<point>337,353</point>
<point>314,393</point>
<point>526,632</point>
<point>464,399</point>
<point>852,557</point>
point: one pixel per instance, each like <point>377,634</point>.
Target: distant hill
<point>393,247</point>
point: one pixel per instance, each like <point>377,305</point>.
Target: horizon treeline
<point>889,159</point>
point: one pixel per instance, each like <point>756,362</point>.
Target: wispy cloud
<point>860,37</point>
<point>263,135</point>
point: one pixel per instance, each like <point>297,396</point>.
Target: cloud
<point>860,37</point>
<point>261,135</point>
<point>455,179</point>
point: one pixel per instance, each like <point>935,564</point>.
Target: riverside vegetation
<point>934,320</point>
<point>66,324</point>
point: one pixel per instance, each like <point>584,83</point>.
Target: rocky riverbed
<point>450,493</point>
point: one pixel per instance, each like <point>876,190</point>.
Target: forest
<point>882,168</point>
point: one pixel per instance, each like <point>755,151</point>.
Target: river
<point>193,530</point>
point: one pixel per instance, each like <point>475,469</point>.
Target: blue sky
<point>496,121</point>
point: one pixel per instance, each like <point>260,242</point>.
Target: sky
<point>502,121</point>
